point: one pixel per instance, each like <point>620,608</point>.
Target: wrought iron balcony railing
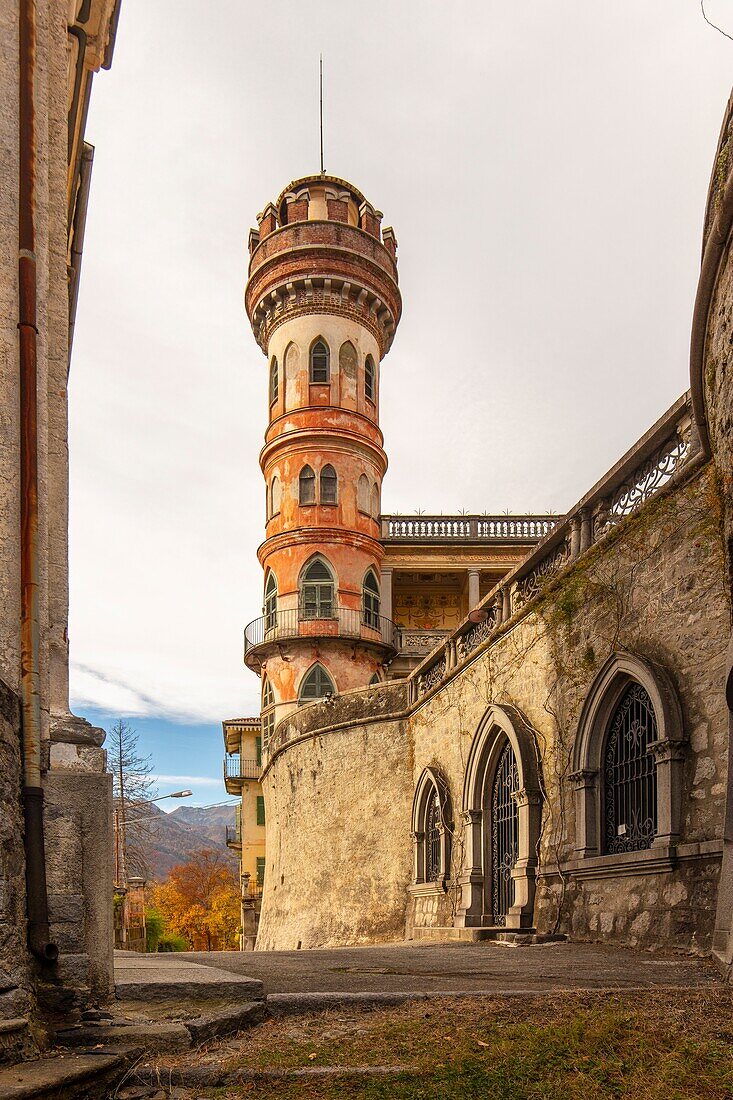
<point>343,622</point>
<point>236,768</point>
<point>233,836</point>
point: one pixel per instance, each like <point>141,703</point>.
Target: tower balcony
<point>269,633</point>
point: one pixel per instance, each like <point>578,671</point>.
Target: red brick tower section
<point>324,304</point>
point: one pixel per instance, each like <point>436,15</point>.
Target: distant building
<point>242,767</point>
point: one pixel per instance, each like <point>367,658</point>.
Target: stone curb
<point>294,1004</point>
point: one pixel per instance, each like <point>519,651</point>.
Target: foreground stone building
<point>558,762</point>
<point>55,829</point>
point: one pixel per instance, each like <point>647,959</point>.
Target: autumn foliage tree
<point>200,900</point>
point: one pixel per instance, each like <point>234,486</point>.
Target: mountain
<point>166,839</point>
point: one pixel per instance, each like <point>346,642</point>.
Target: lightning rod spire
<point>321,108</point>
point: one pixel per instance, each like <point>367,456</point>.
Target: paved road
<point>453,967</point>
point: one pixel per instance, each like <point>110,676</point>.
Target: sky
<point>545,167</point>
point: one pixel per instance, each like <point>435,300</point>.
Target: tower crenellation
<point>324,304</point>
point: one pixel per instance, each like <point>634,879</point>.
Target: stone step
<point>144,978</point>
<point>519,937</point>
<point>67,1076</point>
<point>165,1036</point>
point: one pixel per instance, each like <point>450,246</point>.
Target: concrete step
<point>89,1076</point>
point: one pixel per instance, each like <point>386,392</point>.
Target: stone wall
<point>340,786</point>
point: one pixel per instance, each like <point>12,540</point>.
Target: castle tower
<point>323,302</point>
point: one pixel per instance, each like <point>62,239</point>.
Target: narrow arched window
<point>370,600</point>
<point>320,368</point>
<point>374,680</point>
<point>329,485</point>
<point>270,602</point>
<point>316,593</point>
<point>268,711</point>
<point>316,684</point>
<point>274,381</point>
<point>369,379</point>
<point>307,486</point>
<point>276,494</point>
<point>362,494</point>
<point>432,838</point>
<point>630,774</point>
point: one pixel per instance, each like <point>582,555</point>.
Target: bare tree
<point>132,787</point>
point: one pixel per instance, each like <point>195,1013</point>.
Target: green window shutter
<point>258,751</point>
<point>260,870</point>
<point>260,809</point>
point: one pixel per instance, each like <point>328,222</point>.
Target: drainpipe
<point>35,856</point>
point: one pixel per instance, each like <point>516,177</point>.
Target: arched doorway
<point>502,810</point>
<point>502,813</point>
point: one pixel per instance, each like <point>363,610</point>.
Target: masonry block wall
<point>342,777</point>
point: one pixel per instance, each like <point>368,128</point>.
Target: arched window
<point>628,762</point>
<point>370,388</point>
<point>316,592</point>
<point>270,602</point>
<point>268,711</point>
<point>431,831</point>
<point>316,684</point>
<point>374,680</point>
<point>370,600</point>
<point>320,368</point>
<point>630,774</point>
<point>362,494</point>
<point>274,381</point>
<point>375,501</point>
<point>329,485</point>
<point>276,495</point>
<point>307,486</point>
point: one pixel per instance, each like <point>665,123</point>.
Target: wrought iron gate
<point>504,830</point>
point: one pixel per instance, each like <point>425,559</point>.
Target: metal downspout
<point>35,856</point>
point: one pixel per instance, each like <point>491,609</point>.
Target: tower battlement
<point>321,248</point>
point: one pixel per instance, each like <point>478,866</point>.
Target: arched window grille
<point>320,366</point>
<point>433,867</point>
<point>316,593</point>
<point>370,600</point>
<point>316,684</point>
<point>630,774</point>
<point>307,486</point>
<point>329,485</point>
<point>270,602</point>
<point>362,494</point>
<point>369,378</point>
<point>274,382</point>
<point>268,711</point>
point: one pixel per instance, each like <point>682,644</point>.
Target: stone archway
<point>503,752</point>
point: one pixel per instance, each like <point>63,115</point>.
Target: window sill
<point>651,861</point>
<point>427,889</point>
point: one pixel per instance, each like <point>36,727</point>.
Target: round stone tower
<point>323,302</point>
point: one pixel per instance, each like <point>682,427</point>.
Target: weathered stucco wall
<point>339,799</point>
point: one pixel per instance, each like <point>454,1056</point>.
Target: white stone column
<point>386,594</point>
<point>473,589</point>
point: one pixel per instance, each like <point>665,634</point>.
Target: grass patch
<point>658,1046</point>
